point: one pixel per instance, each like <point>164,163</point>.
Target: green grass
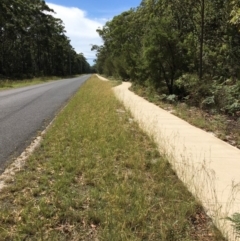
<point>8,84</point>
<point>97,176</point>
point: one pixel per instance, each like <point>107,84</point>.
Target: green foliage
<point>186,84</point>
<point>235,219</point>
<point>171,98</point>
<point>33,42</point>
<point>189,48</point>
<point>227,97</point>
<point>208,102</point>
<point>235,13</point>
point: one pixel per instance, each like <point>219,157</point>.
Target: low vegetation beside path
<point>97,176</point>
<point>222,126</point>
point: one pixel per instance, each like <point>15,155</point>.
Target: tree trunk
<point>201,39</point>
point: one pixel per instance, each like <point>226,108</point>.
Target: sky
<point>82,17</point>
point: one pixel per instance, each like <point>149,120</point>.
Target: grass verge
<point>7,84</point>
<point>97,176</point>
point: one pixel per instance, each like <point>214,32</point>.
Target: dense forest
<point>183,49</point>
<point>33,42</point>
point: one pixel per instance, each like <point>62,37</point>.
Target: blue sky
<point>82,17</point>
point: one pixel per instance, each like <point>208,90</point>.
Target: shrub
<point>185,84</point>
<point>235,219</point>
<point>208,102</point>
<point>227,97</point>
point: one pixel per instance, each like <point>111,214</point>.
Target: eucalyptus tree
<point>121,52</point>
<point>33,41</point>
<point>162,40</point>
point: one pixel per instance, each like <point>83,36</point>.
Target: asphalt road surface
<point>25,111</point>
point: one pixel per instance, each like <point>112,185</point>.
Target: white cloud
<point>80,29</point>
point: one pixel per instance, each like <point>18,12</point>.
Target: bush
<point>209,94</point>
<point>235,219</point>
<point>186,84</point>
<point>189,88</point>
<point>208,103</point>
<point>227,97</point>
<point>171,98</point>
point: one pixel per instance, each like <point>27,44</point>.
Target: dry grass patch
<point>8,84</point>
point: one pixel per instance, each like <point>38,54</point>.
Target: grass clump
<point>97,176</point>
<point>235,219</point>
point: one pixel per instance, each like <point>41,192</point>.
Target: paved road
<point>25,111</point>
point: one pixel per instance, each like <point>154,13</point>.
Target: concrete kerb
<point>197,158</point>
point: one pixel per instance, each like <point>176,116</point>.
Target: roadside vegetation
<point>97,176</point>
<point>223,126</point>
<point>34,44</point>
<point>186,52</point>
<point>8,84</point>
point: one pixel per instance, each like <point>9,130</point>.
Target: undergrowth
<point>222,126</point>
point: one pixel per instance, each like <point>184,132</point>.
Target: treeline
<point>188,49</point>
<point>33,42</point>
